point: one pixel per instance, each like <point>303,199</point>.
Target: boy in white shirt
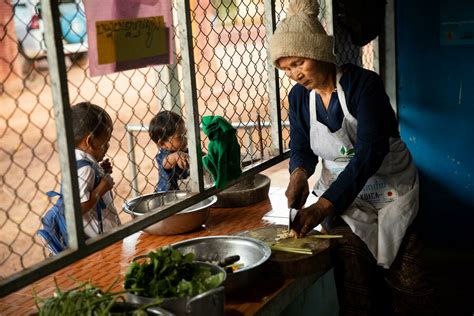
<point>92,128</point>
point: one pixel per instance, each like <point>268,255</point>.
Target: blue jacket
<point>168,179</point>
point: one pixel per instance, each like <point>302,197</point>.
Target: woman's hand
<point>298,189</point>
<point>308,218</point>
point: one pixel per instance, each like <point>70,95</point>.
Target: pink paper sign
<point>128,34</point>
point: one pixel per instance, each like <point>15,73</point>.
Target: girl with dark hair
<point>168,132</point>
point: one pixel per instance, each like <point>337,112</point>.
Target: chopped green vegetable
<point>168,273</point>
<point>305,251</point>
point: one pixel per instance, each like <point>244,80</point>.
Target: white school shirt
<point>86,181</point>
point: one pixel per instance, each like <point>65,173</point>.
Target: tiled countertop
<point>102,268</point>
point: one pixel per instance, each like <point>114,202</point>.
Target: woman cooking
<point>368,189</point>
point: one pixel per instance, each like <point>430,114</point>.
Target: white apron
<point>388,202</point>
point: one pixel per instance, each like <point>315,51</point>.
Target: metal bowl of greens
<point>88,299</point>
<point>184,286</point>
<point>186,220</point>
<point>241,257</point>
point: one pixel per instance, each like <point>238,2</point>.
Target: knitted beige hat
<point>301,34</point>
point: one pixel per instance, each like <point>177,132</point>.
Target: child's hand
<point>179,158</point>
<point>182,160</point>
<point>105,184</point>
<point>106,166</point>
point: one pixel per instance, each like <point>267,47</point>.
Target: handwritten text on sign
<point>131,39</point>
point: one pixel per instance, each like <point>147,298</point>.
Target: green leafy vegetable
<point>168,273</point>
<point>87,299</point>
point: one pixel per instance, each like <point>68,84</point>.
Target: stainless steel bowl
<point>208,303</point>
<point>126,308</point>
<point>186,220</point>
<point>246,192</point>
<point>253,253</point>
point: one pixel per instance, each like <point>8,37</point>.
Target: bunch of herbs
<point>87,299</point>
<point>167,273</point>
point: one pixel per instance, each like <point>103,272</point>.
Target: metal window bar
<point>273,80</point>
<point>190,95</point>
<point>50,11</point>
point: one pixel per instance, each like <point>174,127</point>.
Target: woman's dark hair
<point>164,125</point>
<point>89,118</point>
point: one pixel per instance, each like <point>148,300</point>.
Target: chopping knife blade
<point>291,216</point>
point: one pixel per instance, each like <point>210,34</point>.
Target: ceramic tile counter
<point>268,296</point>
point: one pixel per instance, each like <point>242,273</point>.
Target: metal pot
<point>246,192</point>
<point>187,220</point>
<point>253,253</point>
<point>125,308</point>
<point>207,303</point>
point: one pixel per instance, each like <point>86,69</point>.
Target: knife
<point>291,216</point>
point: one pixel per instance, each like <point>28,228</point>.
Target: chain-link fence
<point>231,80</point>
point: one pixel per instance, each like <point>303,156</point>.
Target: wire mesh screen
<point>231,80</point>
<point>231,70</point>
<point>346,52</point>
<point>29,161</point>
<point>29,154</point>
<point>285,83</point>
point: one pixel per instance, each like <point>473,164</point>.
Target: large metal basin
<point>246,192</point>
<point>253,253</point>
<point>186,220</point>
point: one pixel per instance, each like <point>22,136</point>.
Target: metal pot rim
<point>265,248</point>
<point>126,206</point>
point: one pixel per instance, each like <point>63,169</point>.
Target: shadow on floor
<point>452,273</point>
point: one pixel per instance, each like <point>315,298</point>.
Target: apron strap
<point>340,94</point>
<point>312,105</point>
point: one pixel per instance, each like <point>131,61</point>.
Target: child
<point>168,132</point>
<point>92,128</point>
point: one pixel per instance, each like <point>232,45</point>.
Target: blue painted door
<point>435,90</point>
